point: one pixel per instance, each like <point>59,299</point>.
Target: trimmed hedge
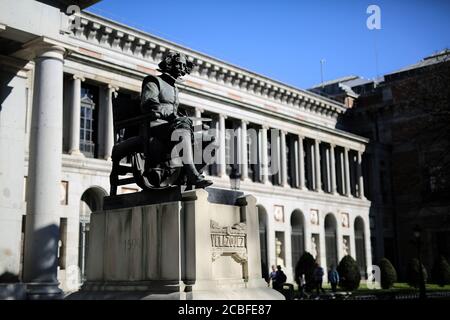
<point>349,274</point>
<point>388,274</point>
<point>413,276</point>
<point>440,274</point>
<point>306,265</point>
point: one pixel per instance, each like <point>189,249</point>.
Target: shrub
<point>388,274</point>
<point>349,275</point>
<point>413,276</point>
<point>8,277</point>
<point>440,273</point>
<point>305,265</point>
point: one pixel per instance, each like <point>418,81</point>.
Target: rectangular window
<point>64,193</point>
<point>253,154</point>
<point>87,121</point>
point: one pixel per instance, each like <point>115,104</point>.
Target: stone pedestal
<point>180,245</point>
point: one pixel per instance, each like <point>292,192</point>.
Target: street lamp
<point>235,177</point>
<point>417,231</point>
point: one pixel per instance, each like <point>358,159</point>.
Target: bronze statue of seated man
<point>159,96</point>
<point>164,131</point>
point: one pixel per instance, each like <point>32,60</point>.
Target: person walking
<point>272,276</point>
<point>318,278</point>
<point>301,285</point>
<point>280,279</point>
<point>333,278</point>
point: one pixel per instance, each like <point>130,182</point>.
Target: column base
<point>247,180</point>
<point>44,291</point>
<point>76,153</point>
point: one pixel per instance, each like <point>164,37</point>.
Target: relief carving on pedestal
<point>229,240</point>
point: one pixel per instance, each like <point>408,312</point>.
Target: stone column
<point>283,164</point>
<point>198,114</point>
<point>43,208</point>
<point>347,173</point>
<point>333,169</point>
<point>75,110</point>
<point>244,146</point>
<point>109,124</point>
<point>222,155</point>
<point>342,170</point>
<point>264,159</point>
<point>301,163</point>
<point>317,165</point>
<point>368,247</point>
<point>360,176</point>
<point>326,153</point>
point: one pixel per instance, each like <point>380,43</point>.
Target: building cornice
<point>121,38</point>
<point>202,93</point>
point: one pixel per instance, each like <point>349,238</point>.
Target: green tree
<point>440,273</point>
<point>413,273</point>
<point>349,274</point>
<point>388,274</point>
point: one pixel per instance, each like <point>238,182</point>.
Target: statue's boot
<point>194,177</point>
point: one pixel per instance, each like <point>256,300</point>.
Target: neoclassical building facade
<point>58,93</point>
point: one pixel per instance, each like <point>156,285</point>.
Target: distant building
<point>405,115</point>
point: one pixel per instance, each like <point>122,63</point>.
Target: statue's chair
<point>149,163</point>
<point>132,134</point>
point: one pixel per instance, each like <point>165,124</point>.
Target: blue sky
<point>286,39</point>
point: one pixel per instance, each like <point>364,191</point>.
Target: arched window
<point>330,241</point>
<point>297,237</point>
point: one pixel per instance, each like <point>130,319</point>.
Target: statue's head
<point>175,64</point>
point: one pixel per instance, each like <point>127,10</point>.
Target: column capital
<point>78,77</point>
<point>112,87</point>
<point>44,47</point>
<point>221,115</point>
<point>199,109</point>
<point>283,132</point>
<point>244,121</point>
<point>332,145</point>
<point>265,127</point>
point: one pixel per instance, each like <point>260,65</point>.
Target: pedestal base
<point>13,291</point>
<point>44,291</point>
<point>192,245</point>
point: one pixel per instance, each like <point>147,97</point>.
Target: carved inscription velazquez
<point>230,239</point>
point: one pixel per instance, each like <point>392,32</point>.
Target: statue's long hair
<point>170,57</point>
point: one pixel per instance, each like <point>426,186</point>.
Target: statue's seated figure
<point>158,138</point>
